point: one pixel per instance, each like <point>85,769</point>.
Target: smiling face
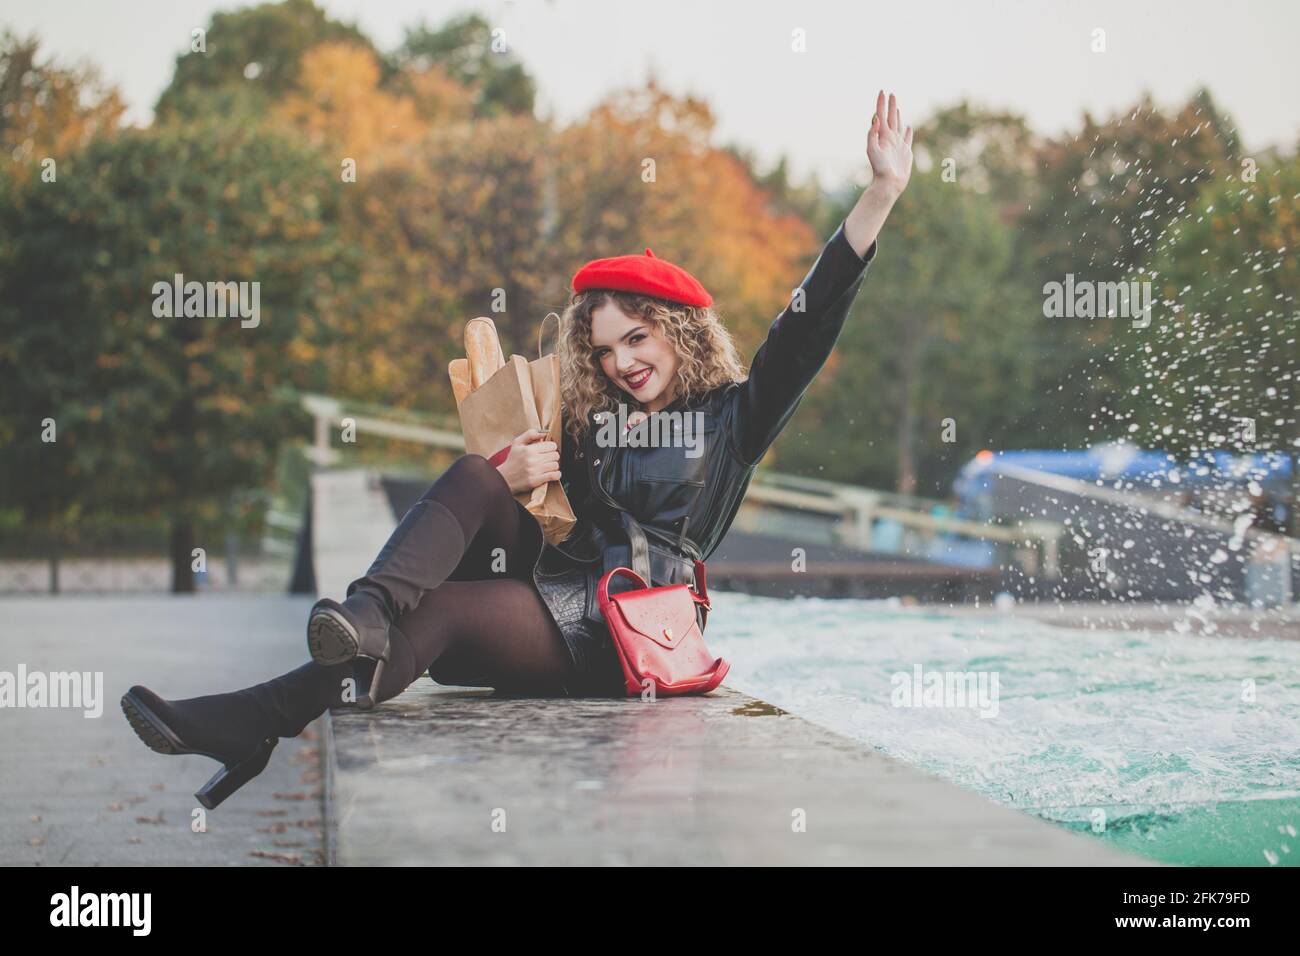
<point>634,355</point>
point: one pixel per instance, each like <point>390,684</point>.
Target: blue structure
<point>1129,468</point>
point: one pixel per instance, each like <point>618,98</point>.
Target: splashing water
<point>1182,748</point>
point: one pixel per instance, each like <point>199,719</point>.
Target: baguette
<point>483,349</point>
<point>460,379</point>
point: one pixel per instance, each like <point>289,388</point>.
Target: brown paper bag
<point>521,395</point>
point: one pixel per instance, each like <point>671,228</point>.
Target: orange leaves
<point>641,170</point>
<point>341,107</point>
<point>49,111</point>
<point>436,97</point>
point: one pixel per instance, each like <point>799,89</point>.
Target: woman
<point>466,588</point>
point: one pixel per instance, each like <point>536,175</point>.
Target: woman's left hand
<point>889,146</point>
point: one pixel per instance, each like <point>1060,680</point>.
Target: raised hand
<point>889,146</point>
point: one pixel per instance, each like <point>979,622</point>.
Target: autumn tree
<point>991,152</point>
<point>340,108</point>
<point>642,170</point>
<point>929,368</point>
<point>807,200</point>
<point>251,58</point>
<point>47,110</point>
<point>156,413</point>
<point>451,231</point>
<point>467,51</point>
<point>1104,198</point>
<point>1219,366</point>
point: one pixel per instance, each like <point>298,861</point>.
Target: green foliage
<point>158,415</point>
<point>463,48</point>
<point>1103,200</point>
<point>461,192</point>
<point>256,50</point>
<point>991,153</point>
<point>47,110</point>
<point>935,334</point>
<point>1222,345</point>
<point>1105,194</point>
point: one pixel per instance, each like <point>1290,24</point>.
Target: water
<point>1185,749</point>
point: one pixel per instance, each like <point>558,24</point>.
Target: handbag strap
<point>641,559</point>
<point>700,593</point>
<point>701,585</point>
<point>679,541</point>
<point>638,544</point>
<point>603,587</point>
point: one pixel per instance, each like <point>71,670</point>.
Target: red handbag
<point>657,636</point>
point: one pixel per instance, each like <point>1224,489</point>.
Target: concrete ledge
<point>461,776</point>
<point>443,776</point>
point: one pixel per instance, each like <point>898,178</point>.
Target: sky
<point>814,107</point>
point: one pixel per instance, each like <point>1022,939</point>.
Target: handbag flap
<point>665,615</point>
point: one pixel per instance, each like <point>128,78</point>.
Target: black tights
<point>486,625</point>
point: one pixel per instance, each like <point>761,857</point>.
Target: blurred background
<point>1099,508</point>
<point>386,171</point>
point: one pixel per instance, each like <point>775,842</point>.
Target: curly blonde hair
<point>705,350</point>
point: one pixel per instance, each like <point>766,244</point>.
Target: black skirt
<point>562,584</point>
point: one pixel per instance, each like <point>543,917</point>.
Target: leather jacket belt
<point>657,564</point>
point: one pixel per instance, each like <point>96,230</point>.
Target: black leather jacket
<point>684,503</point>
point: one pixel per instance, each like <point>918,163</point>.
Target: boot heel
<point>232,776</point>
<point>368,700</point>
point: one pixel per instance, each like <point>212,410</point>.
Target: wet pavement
<point>442,776</point>
<point>452,775</point>
<point>77,790</point>
<point>445,775</point>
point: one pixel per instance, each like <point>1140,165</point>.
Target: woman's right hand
<point>532,461</point>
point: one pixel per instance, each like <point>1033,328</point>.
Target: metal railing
<point>849,515</point>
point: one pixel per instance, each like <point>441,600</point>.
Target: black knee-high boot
<point>421,553</point>
<point>240,728</point>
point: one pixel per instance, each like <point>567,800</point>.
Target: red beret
<point>647,274</point>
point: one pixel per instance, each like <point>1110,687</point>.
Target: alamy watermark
<point>946,689</point>
<point>1090,300</point>
<point>72,689</point>
<point>656,430</point>
<point>75,908</point>
<point>212,300</point>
